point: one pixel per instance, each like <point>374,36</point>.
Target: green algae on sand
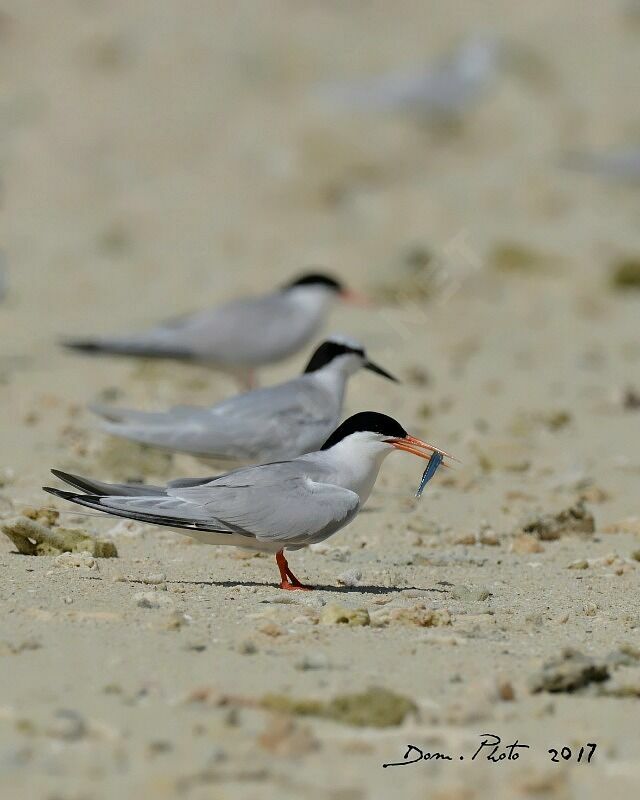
<point>31,538</point>
<point>373,708</point>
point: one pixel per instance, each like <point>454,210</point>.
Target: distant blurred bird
<point>444,90</point>
<point>237,337</point>
<point>271,507</point>
<point>622,165</point>
<point>282,421</point>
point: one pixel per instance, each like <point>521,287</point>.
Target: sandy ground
<point>158,157</point>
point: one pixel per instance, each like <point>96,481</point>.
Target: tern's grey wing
<point>127,416</point>
<point>277,422</point>
<point>282,421</point>
<point>249,332</point>
<point>445,87</point>
<point>241,334</point>
<point>275,503</point>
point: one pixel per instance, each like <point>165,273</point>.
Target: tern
<point>284,505</point>
<point>274,423</point>
<point>444,90</point>
<point>239,336</point>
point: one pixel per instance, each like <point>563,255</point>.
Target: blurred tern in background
<point>237,337</point>
<point>282,421</point>
<point>444,90</point>
<point>284,505</point>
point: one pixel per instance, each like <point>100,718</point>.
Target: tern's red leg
<point>287,579</point>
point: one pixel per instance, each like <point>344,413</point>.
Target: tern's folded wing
<point>273,503</point>
<point>284,420</point>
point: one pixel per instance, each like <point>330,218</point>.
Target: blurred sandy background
<point>157,157</point>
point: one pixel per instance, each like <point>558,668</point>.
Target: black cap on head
<point>316,279</point>
<point>329,350</point>
<point>370,421</point>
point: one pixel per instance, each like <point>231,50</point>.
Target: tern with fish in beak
<point>285,505</point>
<point>282,421</point>
<point>238,337</point>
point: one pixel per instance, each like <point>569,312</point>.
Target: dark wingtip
<point>58,492</point>
<point>60,474</point>
<point>67,477</point>
<point>86,486</point>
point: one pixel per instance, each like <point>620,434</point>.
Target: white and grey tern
<point>284,505</point>
<point>237,337</point>
<point>276,422</point>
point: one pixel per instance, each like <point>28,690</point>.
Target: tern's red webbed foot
<point>291,586</point>
<point>288,579</point>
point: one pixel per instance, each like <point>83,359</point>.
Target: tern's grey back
<point>276,422</point>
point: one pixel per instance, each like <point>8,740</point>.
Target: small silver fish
<point>431,469</point>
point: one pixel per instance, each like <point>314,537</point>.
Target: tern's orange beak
<point>355,298</point>
<point>410,444</point>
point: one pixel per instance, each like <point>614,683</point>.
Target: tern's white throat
<point>313,300</point>
<point>356,460</point>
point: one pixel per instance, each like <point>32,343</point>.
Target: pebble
<point>284,737</point>
<point>416,615</point>
<point>569,672</point>
<point>525,544</point>
<point>313,660</point>
<point>466,539</point>
<point>469,594</point>
<point>335,614</point>
<point>301,619</point>
<point>505,690</point>
<point>271,629</point>
<point>83,560</point>
<point>350,577</point>
<point>152,600</point>
<point>548,527</point>
<point>196,646</point>
<point>489,538</point>
<point>154,580</point>
<point>619,564</point>
<point>174,621</point>
<point>68,725</point>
